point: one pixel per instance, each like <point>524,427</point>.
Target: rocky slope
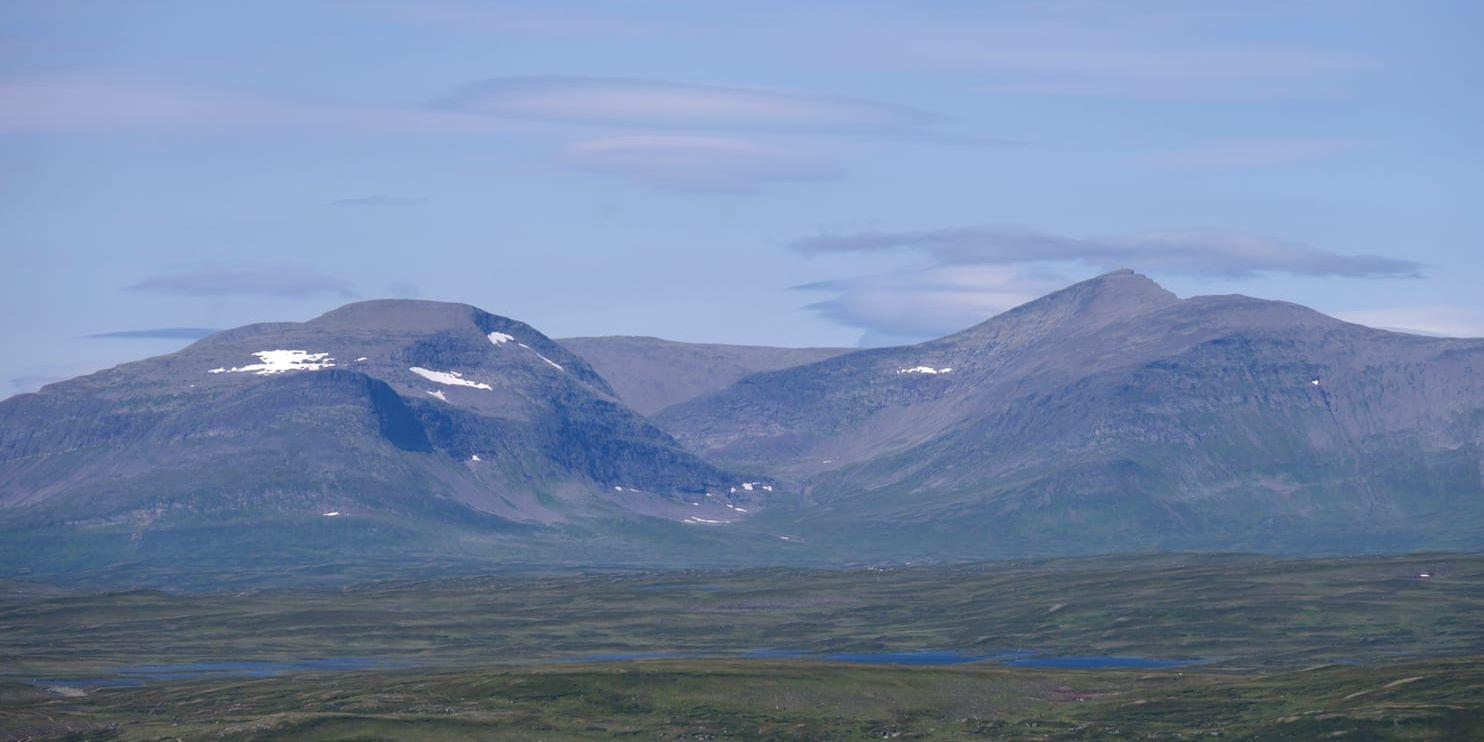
<point>1115,415</point>
<point>393,438</point>
<point>410,407</point>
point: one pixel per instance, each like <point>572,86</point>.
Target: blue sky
<point>788,174</point>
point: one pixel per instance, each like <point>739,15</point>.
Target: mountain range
<point>1113,415</point>
<point>403,437</point>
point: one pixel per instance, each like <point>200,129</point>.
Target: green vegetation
<point>1288,649</point>
<point>1233,612</point>
<point>705,700</point>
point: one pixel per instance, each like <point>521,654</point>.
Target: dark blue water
<point>135,675</point>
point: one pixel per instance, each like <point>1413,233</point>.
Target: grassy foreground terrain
<point>729,698</point>
<point>1291,649</point>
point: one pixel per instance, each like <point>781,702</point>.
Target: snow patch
<point>734,507</point>
<point>474,457</point>
<point>549,362</point>
<point>451,378</point>
<point>280,361</point>
<point>924,370</point>
<point>499,338</point>
<point>332,514</point>
<point>705,521</point>
<point>362,359</point>
<point>439,394</point>
<point>1315,382</point>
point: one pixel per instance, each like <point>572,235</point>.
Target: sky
<point>843,174</point>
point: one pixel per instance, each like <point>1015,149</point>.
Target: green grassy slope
<point>1235,613</point>
<point>771,700</point>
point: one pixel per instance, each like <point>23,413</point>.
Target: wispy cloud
<point>700,164</point>
<point>913,305</point>
<point>403,290</point>
<point>157,333</point>
<point>1180,51</point>
<point>379,201</point>
<point>1255,153</point>
<point>112,106</point>
<point>284,281</point>
<point>659,104</point>
<point>1424,320</point>
<point>1207,253</point>
<point>525,19</point>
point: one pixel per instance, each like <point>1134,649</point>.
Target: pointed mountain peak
<point>1124,282</point>
<point>1091,303</point>
<point>1111,296</point>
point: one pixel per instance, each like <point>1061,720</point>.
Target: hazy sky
<point>790,174</point>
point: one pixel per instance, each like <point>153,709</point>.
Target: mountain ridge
<point>1110,416</point>
<point>486,393</point>
<point>1157,419</point>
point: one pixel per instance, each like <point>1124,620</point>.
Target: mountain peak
<point>1116,295</point>
<point>403,314</point>
<point>1125,282</point>
<point>1092,303</point>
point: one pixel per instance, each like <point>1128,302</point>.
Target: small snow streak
<point>280,361</point>
<point>499,338</point>
<point>924,370</point>
<point>439,394</point>
<point>704,521</point>
<point>550,362</point>
<point>451,378</point>
<point>332,514</point>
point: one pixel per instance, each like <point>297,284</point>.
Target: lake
<point>134,675</point>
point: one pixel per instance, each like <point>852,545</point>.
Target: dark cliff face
<point>389,405</point>
<point>1117,410</point>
